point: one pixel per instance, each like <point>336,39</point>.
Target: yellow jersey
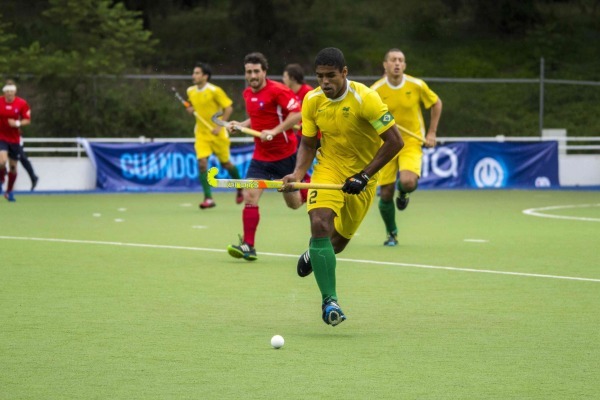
<point>206,102</point>
<point>350,127</point>
<point>404,101</point>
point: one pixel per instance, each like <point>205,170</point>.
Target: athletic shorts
<point>271,170</point>
<point>219,146</point>
<point>350,209</point>
<point>13,149</point>
<point>409,159</point>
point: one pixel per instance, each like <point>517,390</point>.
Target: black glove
<point>356,184</point>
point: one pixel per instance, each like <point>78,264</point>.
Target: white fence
<point>62,163</point>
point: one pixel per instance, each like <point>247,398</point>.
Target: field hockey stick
<point>187,104</point>
<point>412,134</point>
<point>263,184</point>
<point>215,118</point>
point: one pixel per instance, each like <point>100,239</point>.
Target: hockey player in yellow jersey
<point>353,122</point>
<point>404,96</point>
<point>207,99</point>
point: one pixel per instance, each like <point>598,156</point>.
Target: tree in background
<point>83,39</point>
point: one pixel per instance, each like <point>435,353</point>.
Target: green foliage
<point>64,43</point>
<point>5,39</point>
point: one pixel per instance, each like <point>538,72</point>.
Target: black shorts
<point>14,149</point>
<point>271,169</point>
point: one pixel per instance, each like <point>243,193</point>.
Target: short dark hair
<point>205,67</point>
<point>331,56</point>
<point>295,72</point>
<point>257,58</point>
<point>393,50</point>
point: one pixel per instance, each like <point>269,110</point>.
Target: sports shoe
<point>402,201</point>
<point>391,240</point>
<point>9,196</point>
<point>207,203</point>
<point>243,250</point>
<point>304,268</point>
<point>332,313</point>
<point>34,182</point>
<point>239,197</point>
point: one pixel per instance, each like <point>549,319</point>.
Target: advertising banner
<point>173,166</point>
<point>491,165</point>
<point>155,166</point>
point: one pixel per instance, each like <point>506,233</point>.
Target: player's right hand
<point>288,181</point>
<point>356,183</point>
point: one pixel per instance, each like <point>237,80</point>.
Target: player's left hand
<point>430,140</point>
<point>356,183</point>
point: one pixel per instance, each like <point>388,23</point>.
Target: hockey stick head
<point>211,176</point>
<point>218,121</point>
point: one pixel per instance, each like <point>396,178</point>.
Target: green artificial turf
<point>133,296</point>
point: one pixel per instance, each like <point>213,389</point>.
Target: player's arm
<point>436,113</point>
<point>392,144</point>
<point>288,123</point>
<point>243,124</point>
<point>24,120</point>
<point>306,154</point>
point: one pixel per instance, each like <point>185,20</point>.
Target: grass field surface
<point>490,295</point>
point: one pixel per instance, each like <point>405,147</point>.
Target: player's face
<point>286,79</point>
<point>395,64</point>
<point>198,76</point>
<point>331,80</point>
<point>9,95</point>
<point>255,76</point>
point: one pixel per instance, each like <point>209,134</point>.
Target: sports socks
<point>233,171</point>
<point>12,177</point>
<point>250,218</point>
<point>323,261</point>
<point>205,185</point>
<point>388,213</point>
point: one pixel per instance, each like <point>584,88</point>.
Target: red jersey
<point>267,108</point>
<point>302,91</point>
<point>17,110</point>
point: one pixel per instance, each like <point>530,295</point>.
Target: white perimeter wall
<point>71,173</point>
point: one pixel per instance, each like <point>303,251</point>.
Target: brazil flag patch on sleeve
<point>382,122</point>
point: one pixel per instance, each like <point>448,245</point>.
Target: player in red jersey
<point>14,113</point>
<point>273,109</point>
<point>293,77</point>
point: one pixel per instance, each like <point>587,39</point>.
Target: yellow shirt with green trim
<point>350,126</point>
<point>404,101</point>
<point>206,102</point>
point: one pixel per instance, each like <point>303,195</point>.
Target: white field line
<point>398,264</point>
<point>536,212</point>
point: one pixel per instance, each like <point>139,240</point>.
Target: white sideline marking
<point>155,246</point>
<point>199,227</point>
<point>476,240</point>
<point>96,215</point>
<point>118,220</point>
<point>122,209</point>
<point>536,212</point>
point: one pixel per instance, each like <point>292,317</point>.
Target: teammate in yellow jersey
<point>353,121</point>
<point>206,99</point>
<point>404,95</point>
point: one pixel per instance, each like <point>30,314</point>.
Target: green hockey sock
<point>233,171</point>
<point>205,185</point>
<point>388,213</point>
<point>322,258</point>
